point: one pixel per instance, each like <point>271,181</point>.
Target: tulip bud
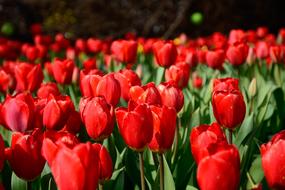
<point>135,126</point>
<point>46,89</point>
<point>125,50</point>
<point>24,155</point>
<point>215,59</point>
<point>237,53</point>
<point>98,117</point>
<point>252,88</point>
<point>228,103</point>
<point>179,73</point>
<point>62,71</point>
<point>105,162</point>
<point>165,53</point>
<point>5,81</point>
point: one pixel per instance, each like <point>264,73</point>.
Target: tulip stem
<point>29,185</point>
<point>230,136</point>
<point>100,186</point>
<point>161,171</point>
<point>175,142</point>
<point>142,171</point>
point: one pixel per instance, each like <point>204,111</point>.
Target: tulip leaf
<point>189,187</point>
<point>244,130</point>
<point>17,183</point>
<point>52,185</point>
<point>159,75</point>
<point>256,171</point>
<point>168,178</point>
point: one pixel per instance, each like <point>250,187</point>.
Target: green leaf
<point>168,179</point>
<point>159,75</point>
<point>256,171</point>
<point>189,187</point>
<point>17,183</point>
<point>244,130</point>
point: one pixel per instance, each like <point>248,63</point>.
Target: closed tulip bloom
<point>46,89</point>
<point>98,117</point>
<point>145,94</point>
<point>2,152</point>
<point>125,50</point>
<point>202,137</point>
<point>127,78</point>
<point>262,49</point>
<point>215,59</point>
<point>94,45</point>
<point>164,124</point>
<point>109,88</point>
<point>24,155</point>
<point>73,123</point>
<point>89,64</point>
<point>237,53</point>
<point>80,45</point>
<point>276,54</point>
<point>18,112</point>
<point>179,73</point>
<point>165,53</point>
<point>57,112</point>
<point>32,53</point>
<point>80,163</point>
<point>228,103</point>
<point>135,126</point>
<point>105,162</point>
<point>273,160</point>
<point>63,70</point>
<point>237,35</point>
<point>220,170</point>
<point>89,80</point>
<point>28,77</point>
<point>171,95</point>
<point>5,81</point>
<point>197,81</point>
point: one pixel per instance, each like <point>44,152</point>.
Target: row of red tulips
<point>71,105</point>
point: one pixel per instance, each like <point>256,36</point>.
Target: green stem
<point>161,171</point>
<point>72,94</point>
<point>29,185</point>
<point>176,142</point>
<point>100,186</point>
<point>230,136</point>
<point>142,171</point>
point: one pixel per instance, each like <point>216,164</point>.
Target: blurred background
<point>167,18</point>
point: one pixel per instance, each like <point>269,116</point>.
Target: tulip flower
<point>237,53</point>
<point>46,89</point>
<point>237,36</point>
<point>228,103</point>
<point>221,169</point>
<point>5,80</point>
<point>179,73</point>
<point>90,64</point>
<point>28,77</point>
<point>202,137</point>
<point>215,59</point>
<point>89,80</point>
<point>94,45</point>
<point>57,111</point>
<point>146,94</point>
<point>18,112</point>
<point>276,54</point>
<point>24,155</point>
<point>164,123</point>
<point>80,45</point>
<point>80,163</point>
<point>62,71</point>
<point>171,96</point>
<point>105,162</point>
<point>2,152</point>
<point>262,50</point>
<point>125,51</point>
<point>98,117</point>
<point>273,161</point>
<point>197,81</point>
<point>165,53</point>
<point>127,78</point>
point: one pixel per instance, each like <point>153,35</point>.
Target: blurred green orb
<point>7,28</point>
<point>197,18</point>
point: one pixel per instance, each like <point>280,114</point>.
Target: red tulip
<point>220,170</point>
<point>125,50</point>
<point>165,53</point>
<point>62,71</point>
<point>80,163</point>
<point>57,112</point>
<point>215,59</point>
<point>179,73</point>
<point>237,53</point>
<point>80,45</point>
<point>276,53</point>
<point>171,96</point>
<point>105,162</point>
<point>94,45</point>
<point>262,32</point>
<point>127,78</point>
<point>28,76</point>
<point>197,81</point>
<point>273,160</point>
<point>46,89</point>
<point>89,64</point>
<point>98,117</point>
<point>61,41</point>
<point>164,124</point>
<point>73,123</point>
<point>262,50</point>
<point>89,80</point>
<point>202,137</point>
<point>188,56</point>
<point>146,94</point>
<point>2,152</point>
<point>36,28</point>
<point>135,126</point>
<point>109,88</point>
<point>24,155</point>
<point>237,36</point>
<point>228,103</point>
<point>18,112</point>
<point>5,81</point>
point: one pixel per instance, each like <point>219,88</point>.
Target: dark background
<point>166,18</point>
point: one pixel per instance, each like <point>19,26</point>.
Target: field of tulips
<point>143,113</point>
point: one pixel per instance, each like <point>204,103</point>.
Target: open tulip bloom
<point>134,112</point>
